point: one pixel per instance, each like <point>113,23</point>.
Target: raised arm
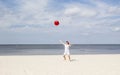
<point>61,42</point>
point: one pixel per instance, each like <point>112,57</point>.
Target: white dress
<point>66,51</point>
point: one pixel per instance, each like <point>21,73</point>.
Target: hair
<point>67,42</point>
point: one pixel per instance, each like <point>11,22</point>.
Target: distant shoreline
<point>59,44</point>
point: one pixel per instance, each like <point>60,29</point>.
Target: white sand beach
<point>107,64</point>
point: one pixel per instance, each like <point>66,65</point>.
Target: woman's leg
<point>64,57</point>
<point>69,57</point>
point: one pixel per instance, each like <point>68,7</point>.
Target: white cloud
<point>72,10</point>
<point>116,29</point>
<point>106,10</point>
<point>114,10</point>
<point>28,12</point>
<point>6,16</point>
<point>79,10</point>
<point>34,12</point>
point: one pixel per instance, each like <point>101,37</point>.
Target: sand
<point>108,64</point>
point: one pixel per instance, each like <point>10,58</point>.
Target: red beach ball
<point>56,23</point>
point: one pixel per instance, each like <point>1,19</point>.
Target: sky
<point>81,21</point>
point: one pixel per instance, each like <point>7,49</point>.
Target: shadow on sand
<point>73,60</point>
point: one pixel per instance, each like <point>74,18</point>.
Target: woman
<point>66,51</point>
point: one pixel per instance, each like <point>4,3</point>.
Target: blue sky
<point>81,21</point>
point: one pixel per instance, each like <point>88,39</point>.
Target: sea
<point>58,49</point>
